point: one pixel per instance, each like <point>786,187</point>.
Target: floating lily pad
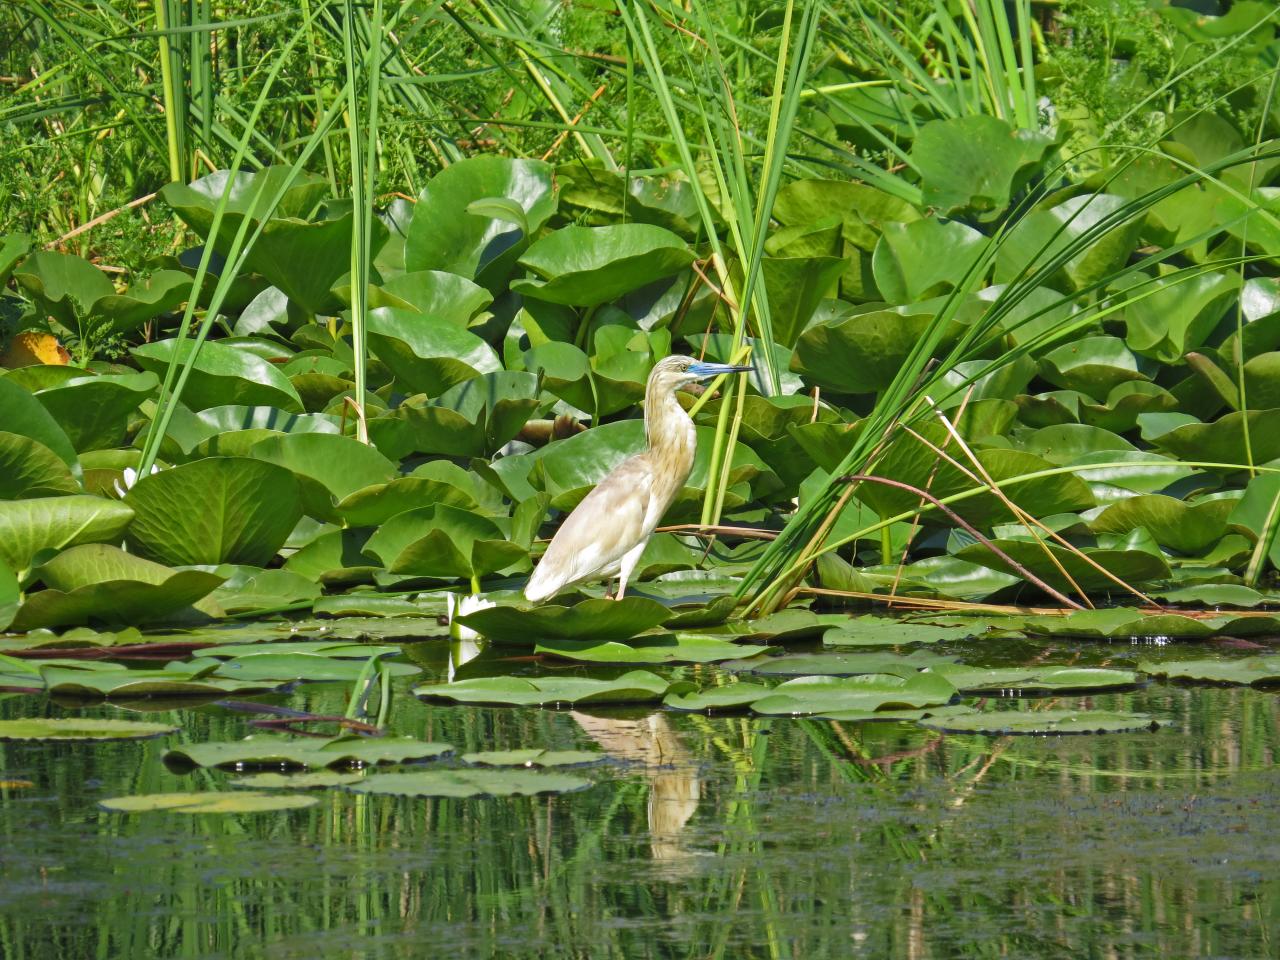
<point>470,783</point>
<point>213,801</point>
<point>315,780</point>
<point>30,527</point>
<point>117,682</point>
<point>586,266</point>
<point>638,686</point>
<point>344,751</point>
<point>874,691</point>
<point>1042,722</point>
<point>80,728</point>
<point>787,626</point>
<point>594,619</point>
<point>336,649</point>
<point>665,648</point>
<point>831,664</point>
<point>533,758</point>
<point>1022,680</point>
<point>276,668</point>
<point>884,632</point>
<point>731,696</point>
<point>1257,671</point>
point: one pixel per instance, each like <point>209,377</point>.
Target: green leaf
<point>28,528</point>
<point>500,208</point>
<point>1042,722</point>
<point>533,758</point>
<point>601,620</point>
<point>13,247</point>
<point>884,631</point>
<point>329,467</point>
<point>219,510</point>
<point>1256,671</point>
<point>66,287</point>
<point>93,411</point>
<point>874,691</point>
<point>796,285</point>
<point>221,375</point>
<point>442,541</point>
<point>731,696</point>
<point>1134,567</point>
<point>1021,681</point>
<point>1179,315</point>
<point>251,588</point>
<point>345,751</point>
<point>1092,365</point>
<point>925,258</point>
<point>470,783</point>
<point>317,780</point>
<point>26,416</point>
<point>81,728</point>
<point>95,581</point>
<point>427,357</point>
<point>211,801</point>
<point>666,648</point>
<point>265,666</point>
<point>637,686</point>
<point>1042,235</point>
<point>1185,527</point>
<point>588,266</point>
<point>120,683</point>
<point>1223,440</point>
<point>444,236</point>
<point>975,163</point>
<point>29,469</point>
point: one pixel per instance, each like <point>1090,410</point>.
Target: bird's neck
<point>670,433</point>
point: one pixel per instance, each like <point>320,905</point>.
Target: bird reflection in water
<point>674,786</point>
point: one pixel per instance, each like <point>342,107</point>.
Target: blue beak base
<point>715,369</point>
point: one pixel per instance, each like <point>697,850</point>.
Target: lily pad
<point>533,758</point>
<point>81,728</point>
<point>217,510</point>
<point>731,696</point>
<point>587,266</point>
<point>29,528</point>
<point>212,801</point>
<point>599,620</point>
<point>1256,671</point>
<point>638,686</point>
<point>221,374</point>
<point>316,780</point>
<point>884,632</point>
<point>873,691</point>
<point>470,783</point>
<point>1024,680</point>
<point>1042,722</point>
<point>120,683</point>
<point>665,648</point>
<point>263,666</point>
<point>347,751</point>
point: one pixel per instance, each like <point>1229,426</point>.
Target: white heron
<point>606,533</point>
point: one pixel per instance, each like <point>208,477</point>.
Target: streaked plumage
<point>606,533</point>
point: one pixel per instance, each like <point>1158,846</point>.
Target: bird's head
<point>674,372</point>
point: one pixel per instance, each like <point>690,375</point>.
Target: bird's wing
<point>609,521</point>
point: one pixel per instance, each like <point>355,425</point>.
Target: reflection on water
<point>668,767</point>
<point>709,837</point>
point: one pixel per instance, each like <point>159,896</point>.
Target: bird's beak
<point>715,369</point>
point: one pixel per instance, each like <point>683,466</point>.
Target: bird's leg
<point>629,561</point>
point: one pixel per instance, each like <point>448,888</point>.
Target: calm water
<point>703,837</point>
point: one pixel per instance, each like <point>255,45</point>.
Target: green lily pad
<point>835,664</point>
<point>885,632</point>
<point>30,528</point>
<point>1130,565</point>
<point>221,375</point>
<point>425,357</point>
<point>81,728</point>
<point>638,686</point>
<point>445,236</point>
<point>442,541</point>
<point>975,163</point>
<point>470,783</point>
<point>731,696</point>
<point>371,605</point>
<point>217,510</point>
<point>93,411</point>
<point>263,666</point>
<point>252,588</point>
<point>29,470</point>
<point>1256,671</point>
<point>95,581</point>
<point>315,780</point>
<point>212,801</point>
<point>329,467</point>
<point>600,620</point>
<point>1185,527</point>
<point>533,758</point>
<point>1020,680</point>
<point>587,266</point>
<point>1042,722</point>
<point>120,683</point>
<point>665,648</point>
<point>27,417</point>
<point>335,649</point>
<point>344,751</point>
<point>787,626</point>
<point>924,258</point>
<point>873,691</point>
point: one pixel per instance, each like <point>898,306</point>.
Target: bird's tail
<point>541,586</point>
